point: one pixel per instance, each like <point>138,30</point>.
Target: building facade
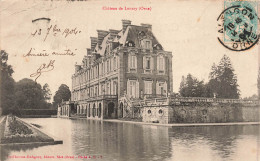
<point>127,74</point>
<point>120,70</point>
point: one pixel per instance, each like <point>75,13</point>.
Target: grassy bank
<point>14,130</point>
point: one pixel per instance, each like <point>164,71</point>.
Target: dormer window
<point>141,35</point>
<point>146,44</point>
<point>158,47</point>
<point>130,44</point>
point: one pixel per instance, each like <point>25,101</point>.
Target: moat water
<point>111,141</point>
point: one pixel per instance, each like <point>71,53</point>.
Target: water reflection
<point>224,142</point>
<point>119,140</point>
<point>123,141</point>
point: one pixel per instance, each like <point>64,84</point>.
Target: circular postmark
<point>238,25</point>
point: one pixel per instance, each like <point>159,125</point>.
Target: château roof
<point>115,38</point>
<point>131,33</point>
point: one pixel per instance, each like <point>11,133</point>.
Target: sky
<point>186,28</point>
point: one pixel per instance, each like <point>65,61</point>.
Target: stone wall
<point>251,113</point>
<point>201,113</point>
<point>213,113</point>
<point>156,115</point>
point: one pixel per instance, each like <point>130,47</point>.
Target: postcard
<point>129,80</point>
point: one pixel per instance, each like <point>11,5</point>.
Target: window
<point>102,89</point>
<point>92,92</point>
<point>94,72</point>
<point>161,88</point>
<point>114,88</point>
<point>108,88</point>
<point>103,66</point>
<point>115,64</point>
<point>109,49</point>
<point>160,64</point>
<point>108,66</point>
<point>147,44</point>
<point>132,62</point>
<point>133,88</point>
<point>96,91</point>
<point>97,71</point>
<point>147,64</point>
<point>148,87</point>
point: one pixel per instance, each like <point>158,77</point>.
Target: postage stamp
<point>238,25</point>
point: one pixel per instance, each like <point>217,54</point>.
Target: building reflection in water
<point>131,142</point>
<point>120,140</point>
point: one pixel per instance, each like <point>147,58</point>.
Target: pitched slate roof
<point>131,33</point>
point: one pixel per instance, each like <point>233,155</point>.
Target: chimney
<point>89,51</point>
<point>113,33</point>
<point>101,35</point>
<point>94,41</point>
<point>149,26</point>
<point>77,68</point>
<point>125,23</point>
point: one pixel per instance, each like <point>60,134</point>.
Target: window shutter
<point>158,63</point>
<point>164,60</point>
<point>145,87</point>
<point>128,88</point>
<point>135,62</point>
<point>129,62</point>
<point>137,89</point>
<point>165,87</point>
<point>157,87</point>
<point>116,65</point>
<point>144,62</point>
<point>152,64</point>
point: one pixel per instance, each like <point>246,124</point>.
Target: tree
<point>7,85</point>
<point>253,97</point>
<point>29,95</point>
<point>223,81</point>
<point>191,87</point>
<point>63,94</point>
<point>46,92</point>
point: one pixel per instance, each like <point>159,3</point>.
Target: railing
<point>174,100</point>
<point>211,100</point>
<point>154,95</point>
<point>100,97</point>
